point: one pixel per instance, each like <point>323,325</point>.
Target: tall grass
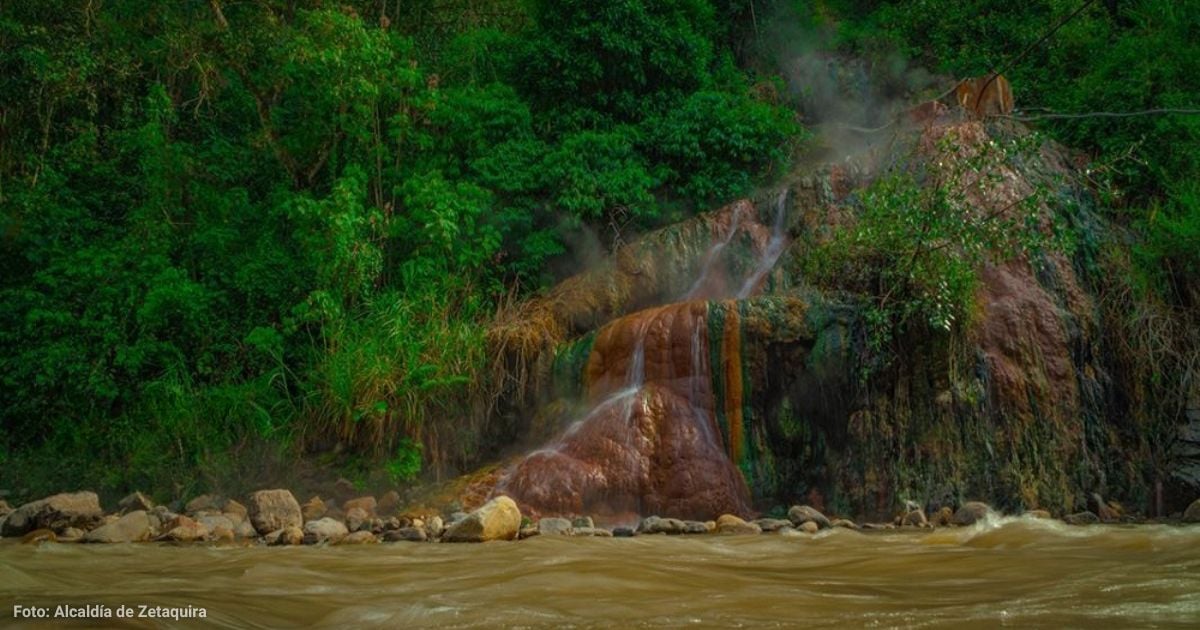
<point>407,373</point>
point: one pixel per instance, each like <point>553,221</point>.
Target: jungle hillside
<point>253,241</point>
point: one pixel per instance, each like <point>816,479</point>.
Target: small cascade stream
<point>775,248</point>
<point>650,441</point>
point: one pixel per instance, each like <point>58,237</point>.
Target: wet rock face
<point>651,443</point>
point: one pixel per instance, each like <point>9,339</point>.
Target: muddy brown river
<point>1016,573</point>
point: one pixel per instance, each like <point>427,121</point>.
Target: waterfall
<point>657,436</point>
<point>713,256</point>
<point>774,249</point>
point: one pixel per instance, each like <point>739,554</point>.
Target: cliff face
<point>700,371</point>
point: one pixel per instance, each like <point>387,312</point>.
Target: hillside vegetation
<point>238,235</point>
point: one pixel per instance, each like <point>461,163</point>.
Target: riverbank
<point>275,517</point>
<point>1019,572</point>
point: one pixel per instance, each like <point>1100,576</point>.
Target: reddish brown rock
<point>652,448</point>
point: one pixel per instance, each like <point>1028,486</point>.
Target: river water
<point>1011,572</point>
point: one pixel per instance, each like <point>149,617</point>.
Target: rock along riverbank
<point>276,517</point>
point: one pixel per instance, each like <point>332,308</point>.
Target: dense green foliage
<point>919,240</point>
<point>232,231</point>
<point>281,224</point>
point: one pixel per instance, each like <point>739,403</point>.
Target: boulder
<point>772,524</point>
<point>1192,513</point>
<point>388,503</point>
<point>215,521</point>
<point>356,518</point>
<point>325,529</point>
<point>915,518</point>
<point>696,527</point>
<point>554,527</point>
<point>235,511</point>
<point>71,534</point>
<point>366,504</point>
<point>359,538</point>
<point>204,503</point>
<point>944,517</point>
<point>498,519</point>
<point>583,522</point>
<point>845,524</point>
<point>4,508</point>
<point>657,525</point>
<point>58,512</point>
<point>273,510</point>
<point>1081,518</point>
<point>184,529</point>
<point>434,527</point>
<point>810,527</point>
<point>406,534</point>
<point>244,530</point>
<point>970,513</point>
<point>134,502</point>
<point>730,524</point>
<point>288,536</point>
<point>1038,514</point>
<point>132,527</point>
<point>624,532</point>
<point>221,534</point>
<point>313,509</point>
<point>801,514</point>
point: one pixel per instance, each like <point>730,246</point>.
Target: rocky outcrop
<point>273,510</point>
<point>498,519</point>
<point>748,396</point>
<point>55,513</point>
<point>662,431</point>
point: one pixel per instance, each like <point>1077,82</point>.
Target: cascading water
<point>712,256</point>
<point>775,248</point>
<point>651,443</point>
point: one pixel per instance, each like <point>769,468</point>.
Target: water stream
<point>1017,573</point>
